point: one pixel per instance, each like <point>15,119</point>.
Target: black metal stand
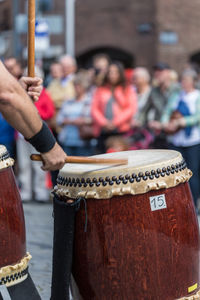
<point>64,218</point>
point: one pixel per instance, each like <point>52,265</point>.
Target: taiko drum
<point>142,238</point>
<point>13,256</point>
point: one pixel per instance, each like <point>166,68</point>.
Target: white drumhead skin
<point>137,160</point>
<point>5,160</point>
<point>3,150</point>
<point>146,170</point>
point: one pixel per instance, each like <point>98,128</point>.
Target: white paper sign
<point>158,202</point>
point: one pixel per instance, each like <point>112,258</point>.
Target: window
<point>168,37</point>
<point>45,5</point>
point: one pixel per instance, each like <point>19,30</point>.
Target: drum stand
<point>64,216</point>
<point>25,290</point>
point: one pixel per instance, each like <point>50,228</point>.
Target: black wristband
<point>43,141</point>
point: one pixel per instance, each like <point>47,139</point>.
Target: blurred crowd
<point>107,109</point>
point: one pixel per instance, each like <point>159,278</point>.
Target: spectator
<point>101,64</point>
<point>73,117</point>
<point>14,67</point>
<point>63,89</point>
<point>165,88</point>
<point>162,92</point>
<point>142,80</point>
<point>114,105</point>
<point>99,69</point>
<point>140,137</point>
<point>181,119</point>
<point>34,186</point>
<point>55,73</point>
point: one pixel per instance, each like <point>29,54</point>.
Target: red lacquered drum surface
<point>131,252</point>
<point>12,226</point>
<point>13,257</point>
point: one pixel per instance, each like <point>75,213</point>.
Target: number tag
<point>158,202</point>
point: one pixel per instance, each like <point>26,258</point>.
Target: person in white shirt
<point>181,120</point>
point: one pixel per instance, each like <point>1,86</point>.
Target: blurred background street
<point>39,233</point>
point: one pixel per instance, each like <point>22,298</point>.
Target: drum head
<point>5,160</point>
<point>146,170</point>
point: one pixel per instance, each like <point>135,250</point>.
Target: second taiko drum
<point>13,257</point>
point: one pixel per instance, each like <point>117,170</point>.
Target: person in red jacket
<point>114,105</point>
<point>45,106</point>
<point>34,187</point>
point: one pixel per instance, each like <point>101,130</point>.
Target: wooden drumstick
<point>31,38</point>
<point>86,160</point>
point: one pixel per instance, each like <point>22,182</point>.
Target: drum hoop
<point>193,297</point>
<point>14,274</point>
<point>5,160</point>
<point>140,183</point>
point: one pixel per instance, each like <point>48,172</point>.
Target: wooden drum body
<point>13,256</point>
<point>142,239</point>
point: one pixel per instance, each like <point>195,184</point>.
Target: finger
<point>37,81</point>
<point>35,87</point>
<point>23,84</point>
<point>32,81</point>
<point>34,98</point>
<point>45,167</point>
<point>50,168</point>
<point>33,94</point>
<point>54,167</point>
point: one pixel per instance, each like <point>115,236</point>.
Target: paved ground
<point>39,227</point>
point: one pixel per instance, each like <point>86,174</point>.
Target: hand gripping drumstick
<point>31,38</point>
<point>86,160</point>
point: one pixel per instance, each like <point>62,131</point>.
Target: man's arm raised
<point>20,112</point>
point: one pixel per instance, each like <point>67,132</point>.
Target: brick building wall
<point>5,15</point>
<point>114,23</point>
<point>182,17</point>
<point>120,25</point>
<point>6,24</point>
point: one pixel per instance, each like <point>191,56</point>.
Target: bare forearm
<point>28,123</point>
<point>17,107</point>
<point>20,112</point>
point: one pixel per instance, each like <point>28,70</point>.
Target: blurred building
<point>135,32</point>
<point>143,32</point>
<point>5,15</point>
<point>6,24</point>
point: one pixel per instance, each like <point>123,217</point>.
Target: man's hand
<point>136,124</point>
<point>155,125</point>
<point>33,86</point>
<point>54,159</point>
<point>109,126</point>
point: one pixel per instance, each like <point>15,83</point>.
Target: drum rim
<point>5,159</point>
<point>192,297</point>
<point>142,181</point>
<point>16,273</point>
